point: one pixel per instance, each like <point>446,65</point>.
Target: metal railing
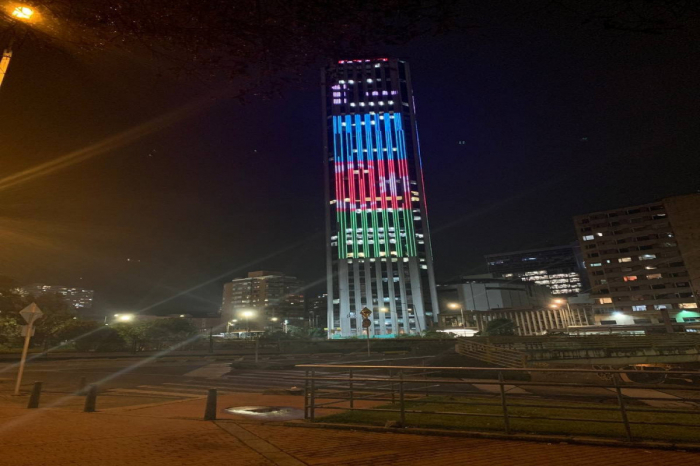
<point>511,395</point>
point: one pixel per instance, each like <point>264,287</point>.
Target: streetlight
<point>247,315</point>
<point>461,310</point>
<point>558,303</point>
<point>124,317</point>
<point>24,14</point>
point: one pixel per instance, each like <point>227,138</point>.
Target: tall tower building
<point>378,241</point>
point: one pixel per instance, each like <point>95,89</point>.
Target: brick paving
<point>173,434</point>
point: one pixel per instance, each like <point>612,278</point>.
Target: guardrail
<point>491,354</point>
<point>596,341</point>
<point>575,398</point>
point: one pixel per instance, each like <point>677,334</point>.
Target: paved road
<point>182,378</point>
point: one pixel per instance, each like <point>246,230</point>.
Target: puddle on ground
<point>269,413</point>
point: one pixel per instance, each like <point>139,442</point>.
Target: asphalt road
<point>149,380</point>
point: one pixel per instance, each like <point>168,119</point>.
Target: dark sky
<point>557,119</point>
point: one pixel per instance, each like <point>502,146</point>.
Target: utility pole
<point>4,63</point>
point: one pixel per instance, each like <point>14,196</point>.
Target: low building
<point>643,262</point>
<point>471,302</point>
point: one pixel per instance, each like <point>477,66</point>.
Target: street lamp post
<point>557,304</point>
<point>461,310</point>
<point>24,14</point>
<point>247,315</point>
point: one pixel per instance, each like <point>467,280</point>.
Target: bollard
<point>34,397</point>
<point>90,399</point>
<point>210,409</point>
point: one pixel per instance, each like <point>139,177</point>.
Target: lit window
<point>599,234</point>
<point>369,80</point>
<point>588,237</point>
<point>391,102</point>
<point>641,307</point>
<point>604,300</point>
<point>597,264</point>
<point>646,257</point>
<point>625,259</point>
<point>688,306</point>
<point>653,276</point>
<point>630,278</point>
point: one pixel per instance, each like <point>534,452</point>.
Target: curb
<point>599,442</point>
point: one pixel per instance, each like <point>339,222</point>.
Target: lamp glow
<point>23,13</point>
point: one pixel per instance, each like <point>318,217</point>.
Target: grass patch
<point>438,406</point>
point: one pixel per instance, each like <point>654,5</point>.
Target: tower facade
<point>378,241</point>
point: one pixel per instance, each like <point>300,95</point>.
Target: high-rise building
<point>264,301</point>
<point>644,262</point>
<point>79,298</point>
<point>378,240</point>
<point>317,310</point>
<point>555,267</point>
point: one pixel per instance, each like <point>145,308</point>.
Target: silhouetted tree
<point>499,327</point>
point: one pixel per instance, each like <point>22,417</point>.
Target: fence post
<point>312,400</point>
<point>210,408</point>
<point>307,394</point>
<point>352,400</point>
<point>391,380</point>
<point>504,404</point>
<point>34,397</point>
<point>623,409</point>
<point>425,377</point>
<point>402,407</point>
<point>90,399</point>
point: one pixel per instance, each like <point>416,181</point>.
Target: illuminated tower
<point>378,242</point>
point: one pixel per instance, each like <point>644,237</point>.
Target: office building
<point>644,262</point>
<point>264,300</point>
<point>555,267</point>
<point>79,298</point>
<point>378,241</point>
<point>317,311</point>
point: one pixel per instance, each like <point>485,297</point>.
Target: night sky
<point>556,119</point>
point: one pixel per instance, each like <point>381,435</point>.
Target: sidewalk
<point>174,434</point>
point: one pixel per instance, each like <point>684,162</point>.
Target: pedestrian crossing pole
<point>366,323</point>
